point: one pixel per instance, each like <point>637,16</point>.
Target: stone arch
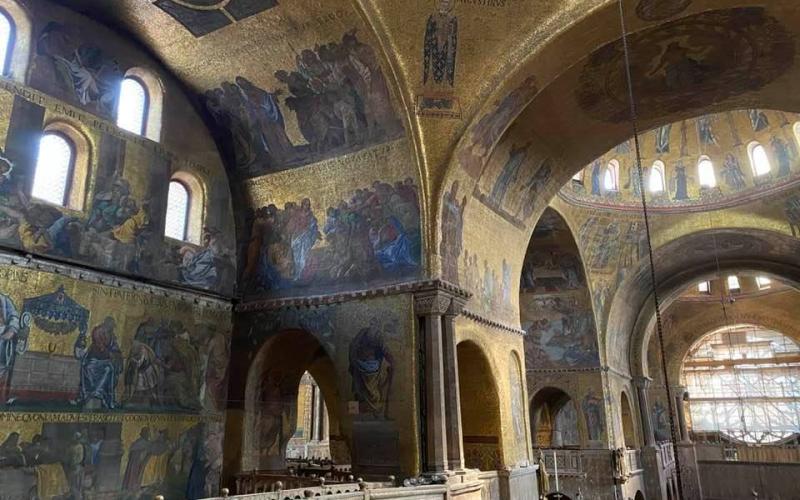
<point>480,408</point>
<point>557,104</point>
<point>546,406</point>
<point>555,301</point>
<point>270,397</point>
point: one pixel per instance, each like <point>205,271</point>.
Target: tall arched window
<point>132,106</point>
<point>742,383</point>
<point>656,181</point>
<point>705,172</point>
<point>185,208</point>
<point>611,176</point>
<point>177,220</point>
<point>7,35</point>
<point>759,159</point>
<point>54,169</point>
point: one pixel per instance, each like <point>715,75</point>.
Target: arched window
<point>185,207</point>
<point>7,35</point>
<point>759,159</point>
<point>742,383</point>
<point>141,102</point>
<point>705,171</point>
<point>54,169</point>
<point>132,106</point>
<point>611,176</point>
<point>177,220</point>
<point>656,181</point>
<point>763,282</point>
<point>733,283</point>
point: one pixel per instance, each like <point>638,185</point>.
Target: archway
<point>310,441</point>
<point>626,413</point>
<point>554,419</point>
<point>480,409</point>
<point>271,399</point>
<point>639,495</point>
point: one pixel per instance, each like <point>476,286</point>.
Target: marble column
<point>431,307</point>
<point>642,393</point>
<point>455,441</point>
<point>680,408</point>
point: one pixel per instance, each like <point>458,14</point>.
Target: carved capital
<point>643,382</point>
<point>433,302</point>
<point>456,306</point>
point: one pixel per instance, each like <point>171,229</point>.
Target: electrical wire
<point>656,302</point>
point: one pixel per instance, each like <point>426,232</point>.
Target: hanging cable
<point>659,327</point>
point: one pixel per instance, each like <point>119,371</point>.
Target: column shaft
<point>436,419</point>
<point>455,442</point>
<point>642,388</point>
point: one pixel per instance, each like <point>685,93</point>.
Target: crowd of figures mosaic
<point>338,94</point>
<point>555,305</point>
<point>374,236</point>
<point>108,392</point>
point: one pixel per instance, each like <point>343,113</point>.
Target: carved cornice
<point>413,287</point>
<point>110,280</point>
<point>493,324</point>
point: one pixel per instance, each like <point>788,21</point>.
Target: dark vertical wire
<point>656,302</point>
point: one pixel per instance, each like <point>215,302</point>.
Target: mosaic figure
<point>441,45</point>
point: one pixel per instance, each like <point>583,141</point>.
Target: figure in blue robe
<point>10,343</point>
<point>198,268</point>
<point>101,364</point>
<point>509,174</point>
<point>597,169</point>
<point>732,173</point>
<point>758,119</point>
<point>392,246</point>
<point>681,183</point>
<point>662,138</point>
<point>784,156</point>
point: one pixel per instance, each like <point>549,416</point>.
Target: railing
<point>301,475</point>
<point>633,461</point>
<point>569,461</point>
<point>667,454</point>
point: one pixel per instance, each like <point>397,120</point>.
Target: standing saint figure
<point>441,44</point>
<point>101,365</point>
<point>371,370</point>
<point>11,343</point>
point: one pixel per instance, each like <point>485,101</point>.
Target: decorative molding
<point>492,324</point>
<point>91,276</point>
<point>414,287</point>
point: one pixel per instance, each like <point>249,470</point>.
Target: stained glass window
<point>132,106</point>
<point>53,169</point>
<point>177,211</point>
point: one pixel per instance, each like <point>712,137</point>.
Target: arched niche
<point>554,419</point>
<point>480,409</point>
<point>628,427</point>
<point>270,405</point>
<point>555,302</point>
